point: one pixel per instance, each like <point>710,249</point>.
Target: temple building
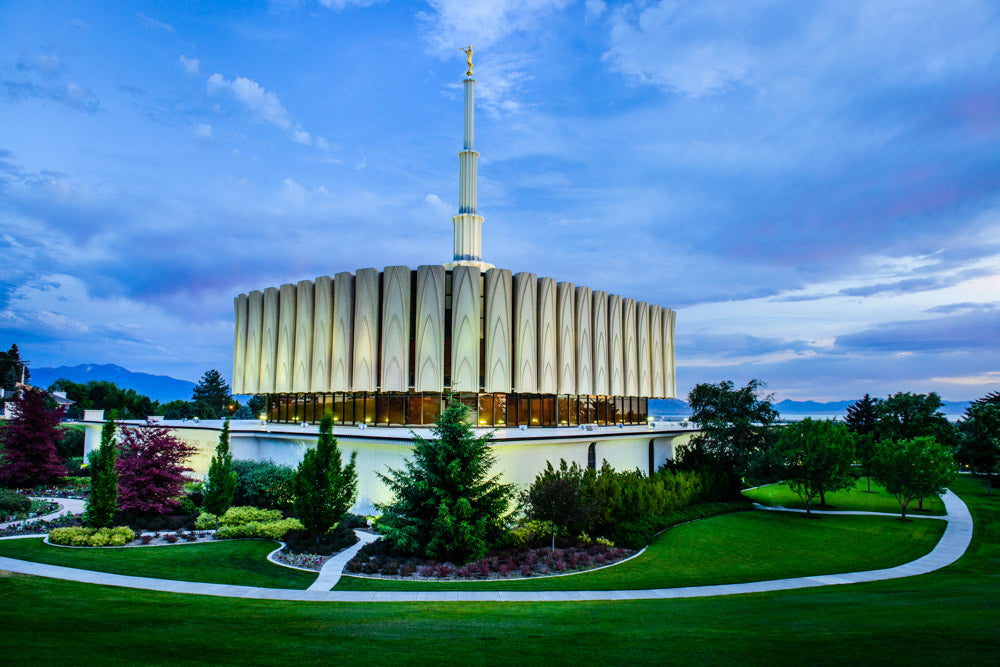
<point>554,370</point>
<point>382,347</point>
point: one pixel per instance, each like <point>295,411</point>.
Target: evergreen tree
<point>102,504</point>
<point>11,367</point>
<point>445,505</point>
<point>211,395</point>
<point>221,484</point>
<point>30,441</point>
<point>324,487</point>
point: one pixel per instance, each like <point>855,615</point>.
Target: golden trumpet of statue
<point>468,58</point>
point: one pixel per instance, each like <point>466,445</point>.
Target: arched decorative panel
<point>429,362</point>
<point>616,347</point>
<point>255,331</point>
<point>395,329</point>
<point>642,341</point>
<point>269,341</point>
<point>566,328</point>
<point>286,339</point>
<point>656,350</point>
<point>342,336</point>
<point>525,333</point>
<point>465,328</point>
<point>602,369</point>
<point>497,324</point>
<point>548,361</point>
<point>242,304</point>
<point>669,368</point>
<point>366,295</point>
<point>322,341</point>
<point>302,365</point>
<point>584,342</point>
<point>631,359</point>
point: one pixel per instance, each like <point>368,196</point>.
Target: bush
<point>263,484</point>
<point>273,530</point>
<point>80,536</point>
<point>12,502</point>
<point>71,444</point>
<point>237,516</point>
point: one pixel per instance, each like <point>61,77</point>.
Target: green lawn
<point>856,499</point>
<point>946,617</point>
<point>732,548</point>
<point>241,562</point>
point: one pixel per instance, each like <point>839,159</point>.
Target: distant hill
<point>158,387</point>
<point>674,407</point>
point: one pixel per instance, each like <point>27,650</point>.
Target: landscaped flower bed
<point>37,508</point>
<point>375,560</point>
<point>306,561</point>
<point>38,526</point>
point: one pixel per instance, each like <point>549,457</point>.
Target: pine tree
<point>11,369</point>
<point>324,488</point>
<point>211,395</point>
<point>445,505</point>
<point>221,478</point>
<point>102,504</point>
<point>30,456</point>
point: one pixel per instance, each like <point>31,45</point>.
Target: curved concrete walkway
<point>950,548</point>
<point>66,506</point>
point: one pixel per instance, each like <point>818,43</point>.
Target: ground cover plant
<point>945,617</point>
<point>856,499</point>
<point>241,562</point>
<point>731,548</point>
<point>81,536</point>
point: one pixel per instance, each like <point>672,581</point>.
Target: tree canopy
<point>735,425</point>
<point>211,395</point>
<point>104,395</point>
<point>325,489</point>
<point>445,504</point>
<point>979,443</point>
<point>150,469</point>
<point>915,468</point>
<point>904,416</point>
<point>30,439</point>
<point>815,457</point>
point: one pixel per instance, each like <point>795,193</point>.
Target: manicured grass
<point>946,617</point>
<point>242,562</point>
<point>856,499</point>
<point>738,547</point>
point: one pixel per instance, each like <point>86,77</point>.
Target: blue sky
<point>813,186</point>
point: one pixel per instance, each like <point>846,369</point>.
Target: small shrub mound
<point>80,536</point>
<point>237,516</point>
<point>12,502</point>
<point>273,530</point>
<point>332,542</point>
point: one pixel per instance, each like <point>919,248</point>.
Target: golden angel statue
<point>468,58</point>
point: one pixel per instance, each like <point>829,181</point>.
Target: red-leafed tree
<point>150,469</point>
<point>29,440</point>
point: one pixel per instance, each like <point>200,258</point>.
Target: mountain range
<point>161,388</point>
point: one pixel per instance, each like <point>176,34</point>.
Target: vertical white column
<point>286,339</point>
<point>428,372</point>
<point>342,336</point>
<point>365,330</point>
<point>269,341</point>
<point>498,319</point>
<point>395,343</point>
<point>302,366</point>
<point>525,333</point>
<point>242,303</point>
<point>566,325</point>
<point>321,338</point>
<point>548,362</point>
<point>465,304</point>
<point>584,342</point>
<point>255,331</point>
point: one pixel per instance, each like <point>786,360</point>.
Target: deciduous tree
<point>911,469</point>
<point>815,457</point>
<point>445,504</point>
<point>979,445</point>
<point>30,440</point>
<point>324,487</point>
<point>862,420</point>
<point>151,469</point>
<point>556,497</point>
<point>735,425</point>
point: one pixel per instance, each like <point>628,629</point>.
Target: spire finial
<point>468,58</point>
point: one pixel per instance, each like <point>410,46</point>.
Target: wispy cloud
<point>263,105</point>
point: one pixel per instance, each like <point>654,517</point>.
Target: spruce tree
<point>221,478</point>
<point>103,501</point>
<point>324,488</point>
<point>446,506</point>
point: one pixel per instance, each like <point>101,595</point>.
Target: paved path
<point>66,506</point>
<point>950,548</point>
<point>779,508</point>
<point>329,575</point>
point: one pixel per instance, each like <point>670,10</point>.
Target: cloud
<point>191,65</point>
<point>970,331</point>
<point>595,8</point>
<point>156,23</point>
<point>484,22</point>
<point>339,5</point>
<point>42,76</point>
<point>203,131</point>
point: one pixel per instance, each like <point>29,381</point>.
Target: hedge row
<point>237,516</point>
<point>79,536</point>
<point>274,530</point>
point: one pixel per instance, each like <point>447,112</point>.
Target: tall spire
<point>468,224</point>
